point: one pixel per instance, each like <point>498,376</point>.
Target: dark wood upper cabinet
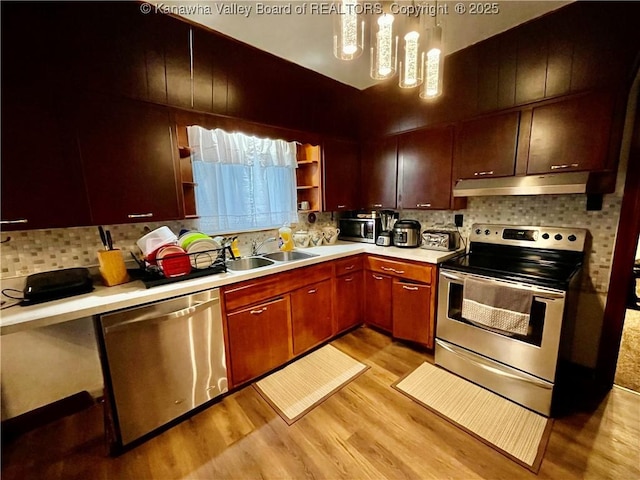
<point>572,135</point>
<point>42,184</point>
<point>486,147</point>
<point>341,175</point>
<point>128,161</point>
<point>379,173</point>
<point>531,66</point>
<point>425,158</point>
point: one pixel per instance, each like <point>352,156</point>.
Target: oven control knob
<point>487,231</point>
<point>572,238</point>
<point>545,236</point>
<point>478,231</point>
<point>558,237</point>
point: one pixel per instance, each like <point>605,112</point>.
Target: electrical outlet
<point>458,220</point>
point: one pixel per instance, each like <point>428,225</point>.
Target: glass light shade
<point>384,49</point>
<point>432,86</point>
<point>348,31</point>
<point>411,69</point>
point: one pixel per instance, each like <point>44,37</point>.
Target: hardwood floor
<point>366,430</point>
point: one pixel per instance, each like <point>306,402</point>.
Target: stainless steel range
<point>506,308</point>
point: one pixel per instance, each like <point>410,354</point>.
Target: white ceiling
<point>306,39</point>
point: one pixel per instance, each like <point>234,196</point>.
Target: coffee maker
<point>387,220</point>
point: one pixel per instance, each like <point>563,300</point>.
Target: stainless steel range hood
<point>549,184</point>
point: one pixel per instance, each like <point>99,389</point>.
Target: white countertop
<point>105,299</point>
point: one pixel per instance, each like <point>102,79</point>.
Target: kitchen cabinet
<point>349,293</point>
<point>425,158</point>
<point>379,173</point>
<point>128,161</point>
<point>259,339</point>
<point>412,312</point>
<point>572,135</point>
<point>42,184</point>
<point>377,305</point>
<point>309,177</point>
<point>486,146</point>
<point>311,317</point>
<point>341,175</point>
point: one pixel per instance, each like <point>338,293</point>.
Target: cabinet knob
<point>259,311</point>
<point>312,291</point>
<point>480,174</point>
<point>377,205</point>
<point>140,215</point>
<point>341,206</point>
<point>13,222</point>
<point>423,205</point>
<point>564,165</point>
<point>348,279</point>
<point>389,269</point>
<point>413,289</point>
<point>377,277</point>
<point>350,267</point>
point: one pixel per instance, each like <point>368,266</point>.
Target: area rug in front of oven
<point>302,385</point>
<point>514,431</point>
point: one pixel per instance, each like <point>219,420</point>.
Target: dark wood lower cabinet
<point>412,315</point>
<point>349,300</point>
<point>259,339</point>
<point>377,303</point>
<point>311,315</point>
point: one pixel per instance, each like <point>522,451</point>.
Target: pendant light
<point>384,49</point>
<point>412,66</point>
<point>434,63</point>
<point>348,31</point>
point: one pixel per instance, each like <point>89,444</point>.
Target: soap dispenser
<point>285,241</point>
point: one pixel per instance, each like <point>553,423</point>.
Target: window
<point>243,183</point>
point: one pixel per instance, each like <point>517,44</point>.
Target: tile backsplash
<point>33,251</point>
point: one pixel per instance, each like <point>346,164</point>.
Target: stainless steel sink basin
<point>248,263</point>
<point>288,256</point>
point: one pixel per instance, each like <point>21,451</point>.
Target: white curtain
<point>243,182</point>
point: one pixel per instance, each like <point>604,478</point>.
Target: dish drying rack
<point>153,276</point>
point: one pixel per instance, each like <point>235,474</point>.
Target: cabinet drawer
<point>250,292</point>
<point>412,271</point>
<point>348,265</point>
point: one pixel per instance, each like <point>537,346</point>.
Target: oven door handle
<point>539,293</point>
<point>497,371</point>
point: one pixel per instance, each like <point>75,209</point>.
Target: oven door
<point>535,353</point>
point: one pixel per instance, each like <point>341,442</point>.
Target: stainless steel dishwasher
<point>160,361</point>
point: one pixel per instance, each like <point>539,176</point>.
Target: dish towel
<point>497,306</point>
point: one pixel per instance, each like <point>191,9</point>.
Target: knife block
<point>112,267</point>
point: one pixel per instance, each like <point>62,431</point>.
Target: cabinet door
<point>486,147</point>
<point>412,319</point>
<point>379,172</point>
<point>349,299</point>
<point>377,305</point>
<point>571,135</point>
<point>42,184</point>
<point>128,159</point>
<point>311,315</point>
<point>259,339</point>
<point>425,166</point>
<point>341,175</point>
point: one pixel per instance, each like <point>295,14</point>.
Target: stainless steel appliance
<point>445,240</point>
<point>542,263</point>
<point>360,229</point>
<point>406,233</point>
<point>161,361</point>
<point>388,219</point>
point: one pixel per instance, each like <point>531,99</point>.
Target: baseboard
<point>16,426</point>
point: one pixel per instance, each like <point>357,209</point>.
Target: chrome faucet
<point>255,246</point>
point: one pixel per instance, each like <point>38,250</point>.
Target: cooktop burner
<point>545,256</point>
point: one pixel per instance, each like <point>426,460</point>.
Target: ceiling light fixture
<point>432,86</point>
<point>348,31</point>
<point>384,49</point>
<point>411,70</point>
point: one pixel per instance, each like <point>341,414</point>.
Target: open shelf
<point>309,177</point>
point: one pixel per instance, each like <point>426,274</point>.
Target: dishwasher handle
<point>184,312</point>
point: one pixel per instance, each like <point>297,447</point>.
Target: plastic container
<point>155,239</point>
<point>285,241</point>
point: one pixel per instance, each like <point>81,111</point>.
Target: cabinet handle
<point>350,267</point>
<point>389,269</point>
<point>13,222</point>
<point>377,277</point>
<point>565,165</point>
<point>349,279</point>
<point>258,312</point>
<point>140,215</point>
<point>413,289</point>
<point>423,205</point>
<point>480,174</point>
<point>341,206</point>
<point>377,205</point>
<point>312,291</point>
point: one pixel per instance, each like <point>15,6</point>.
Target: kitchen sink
<point>288,256</point>
<point>248,263</point>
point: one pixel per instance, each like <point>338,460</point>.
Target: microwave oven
<point>360,229</point>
